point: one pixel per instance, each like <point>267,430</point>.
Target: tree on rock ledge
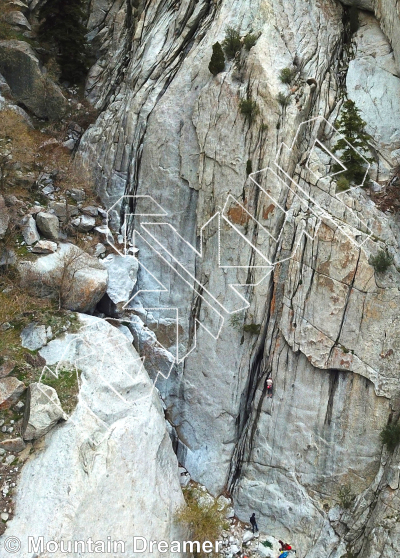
<point>62,25</point>
<point>217,62</point>
<point>351,126</point>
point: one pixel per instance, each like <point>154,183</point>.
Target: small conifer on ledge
<point>217,62</point>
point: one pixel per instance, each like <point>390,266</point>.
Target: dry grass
<point>18,309</point>
<point>19,149</point>
<point>205,522</point>
<point>7,31</point>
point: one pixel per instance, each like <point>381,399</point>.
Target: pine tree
<point>61,24</point>
<point>217,62</point>
<point>352,126</point>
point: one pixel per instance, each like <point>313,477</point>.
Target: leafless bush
<point>59,282</point>
<point>61,279</point>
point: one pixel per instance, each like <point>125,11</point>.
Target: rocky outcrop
<point>29,86</point>
<point>48,225</point>
<point>388,15</point>
<point>373,79</point>
<point>42,411</point>
<point>122,274</point>
<point>18,19</point>
<point>34,336</point>
<point>29,230</point>
<point>94,472</point>
<point>320,320</point>
<point>77,279</point>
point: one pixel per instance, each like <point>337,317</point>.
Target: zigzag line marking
<point>319,213</point>
<point>82,337</point>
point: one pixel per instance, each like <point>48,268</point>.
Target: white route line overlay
<point>194,284</point>
<point>158,211</point>
<point>84,336</point>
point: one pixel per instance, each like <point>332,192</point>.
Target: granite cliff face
<point>320,321</point>
<point>92,468</point>
<point>328,330</point>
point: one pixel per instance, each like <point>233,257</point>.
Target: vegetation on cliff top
<point>353,146</point>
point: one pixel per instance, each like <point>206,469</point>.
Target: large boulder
<point>371,80</point>
<point>78,280</point>
<point>111,467</point>
<point>29,230</point>
<point>13,445</point>
<point>33,336</point>
<point>42,411</point>
<point>29,86</point>
<point>84,223</point>
<point>122,274</point>
<point>18,19</point>
<point>48,225</point>
<point>61,209</point>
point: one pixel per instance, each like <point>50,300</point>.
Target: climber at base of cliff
<point>285,549</point>
<point>269,387</point>
<point>284,546</point>
<point>254,522</point>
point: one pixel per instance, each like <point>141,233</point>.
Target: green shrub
<point>254,329</point>
<point>249,109</point>
<point>355,141</point>
<point>232,43</point>
<point>283,99</point>
<point>205,521</point>
<point>286,75</point>
<point>217,62</point>
<point>346,496</point>
<point>249,167</point>
<point>250,41</point>
<point>342,184</point>
<point>390,436</point>
<point>382,261</point>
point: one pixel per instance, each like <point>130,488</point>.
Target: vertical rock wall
<point>328,324</point>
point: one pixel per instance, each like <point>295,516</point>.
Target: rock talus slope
<point>327,324</point>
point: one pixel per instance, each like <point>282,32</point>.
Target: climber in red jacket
<point>269,387</point>
<point>284,546</point>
